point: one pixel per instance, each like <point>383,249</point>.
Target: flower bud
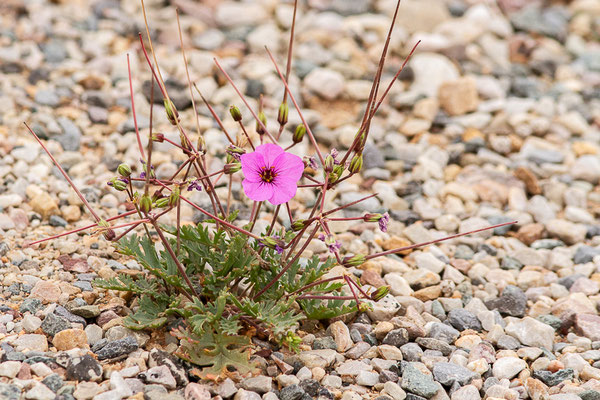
<point>162,202</point>
<point>338,170</point>
<point>158,137</point>
<point>356,164</point>
<point>145,203</point>
<point>364,307</point>
<point>232,168</point>
<point>272,242</point>
<point>201,144</point>
<point>282,115</point>
<point>236,114</point>
<point>299,133</point>
<point>172,113</point>
<point>333,177</point>
<point>329,163</point>
<point>380,293</point>
<point>119,185</point>
<point>110,234</point>
<point>174,197</point>
<point>259,127</point>
<point>124,170</point>
<point>354,261</point>
<point>372,217</point>
<point>298,225</point>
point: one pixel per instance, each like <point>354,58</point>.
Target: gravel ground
<point>497,119</point>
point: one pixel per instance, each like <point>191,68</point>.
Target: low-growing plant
<point>222,281</point>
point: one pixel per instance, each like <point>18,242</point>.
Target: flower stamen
<point>267,174</point>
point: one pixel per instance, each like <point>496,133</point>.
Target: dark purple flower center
<point>267,174</point>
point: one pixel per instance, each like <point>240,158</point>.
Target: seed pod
<point>119,185</point>
<point>356,164</point>
<point>353,261</point>
<point>282,115</point>
<point>298,225</point>
<point>174,197</point>
<point>271,242</point>
<point>158,137</point>
<point>232,168</point>
<point>172,113</point>
<point>145,203</point>
<point>380,293</point>
<point>110,235</point>
<point>259,127</point>
<point>124,170</point>
<point>329,163</point>
<point>236,114</point>
<point>299,133</point>
<point>162,202</point>
<point>372,217</point>
<point>201,144</point>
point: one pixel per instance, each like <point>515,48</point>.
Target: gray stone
<point>84,368</point>
<point>553,379</point>
<point>53,382</point>
<point>9,391</point>
<point>117,348</point>
<point>259,384</point>
<point>292,392</point>
<point>417,382</point>
<point>160,375</point>
<point>512,301</point>
<point>443,332</point>
<point>448,374</point>
<point>396,337</point>
<point>462,319</point>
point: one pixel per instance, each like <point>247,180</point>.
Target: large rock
<point>531,332</point>
<point>588,325</point>
<point>512,302</point>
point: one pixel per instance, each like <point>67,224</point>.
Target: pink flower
<point>271,174</point>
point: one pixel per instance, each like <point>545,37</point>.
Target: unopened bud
<point>333,177</point>
<point>236,114</point>
<point>162,202</point>
<point>233,149</point>
<point>172,113</point>
<point>356,164</point>
<point>158,137</point>
<point>124,170</point>
<point>329,163</point>
<point>372,217</point>
<point>282,115</point>
<point>299,133</point>
<point>338,169</point>
<point>201,144</point>
<point>259,127</point>
<point>119,185</point>
<point>174,197</point>
<point>364,307</point>
<point>110,235</point>
<point>272,243</point>
<point>298,225</point>
<point>145,203</point>
<point>380,293</point>
<point>354,261</point>
<point>232,168</point>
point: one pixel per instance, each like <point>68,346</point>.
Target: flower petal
<point>251,165</point>
<point>257,191</point>
<point>269,152</point>
<point>283,190</point>
<point>289,166</point>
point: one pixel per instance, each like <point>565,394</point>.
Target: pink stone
<point>588,325</point>
<point>47,291</point>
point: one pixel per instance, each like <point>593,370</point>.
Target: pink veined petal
<point>283,191</point>
<point>258,191</point>
<point>269,152</point>
<point>251,166</point>
<point>289,166</point>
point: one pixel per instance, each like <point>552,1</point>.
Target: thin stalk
<point>308,130</point>
<point>187,72</point>
<point>180,267</point>
<point>289,264</point>
<point>214,114</point>
<point>137,131</point>
<point>247,136</point>
<point>392,251</point>
<point>128,213</point>
<point>258,121</point>
<point>62,171</point>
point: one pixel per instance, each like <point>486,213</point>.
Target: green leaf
<point>149,315</point>
<point>217,352</point>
